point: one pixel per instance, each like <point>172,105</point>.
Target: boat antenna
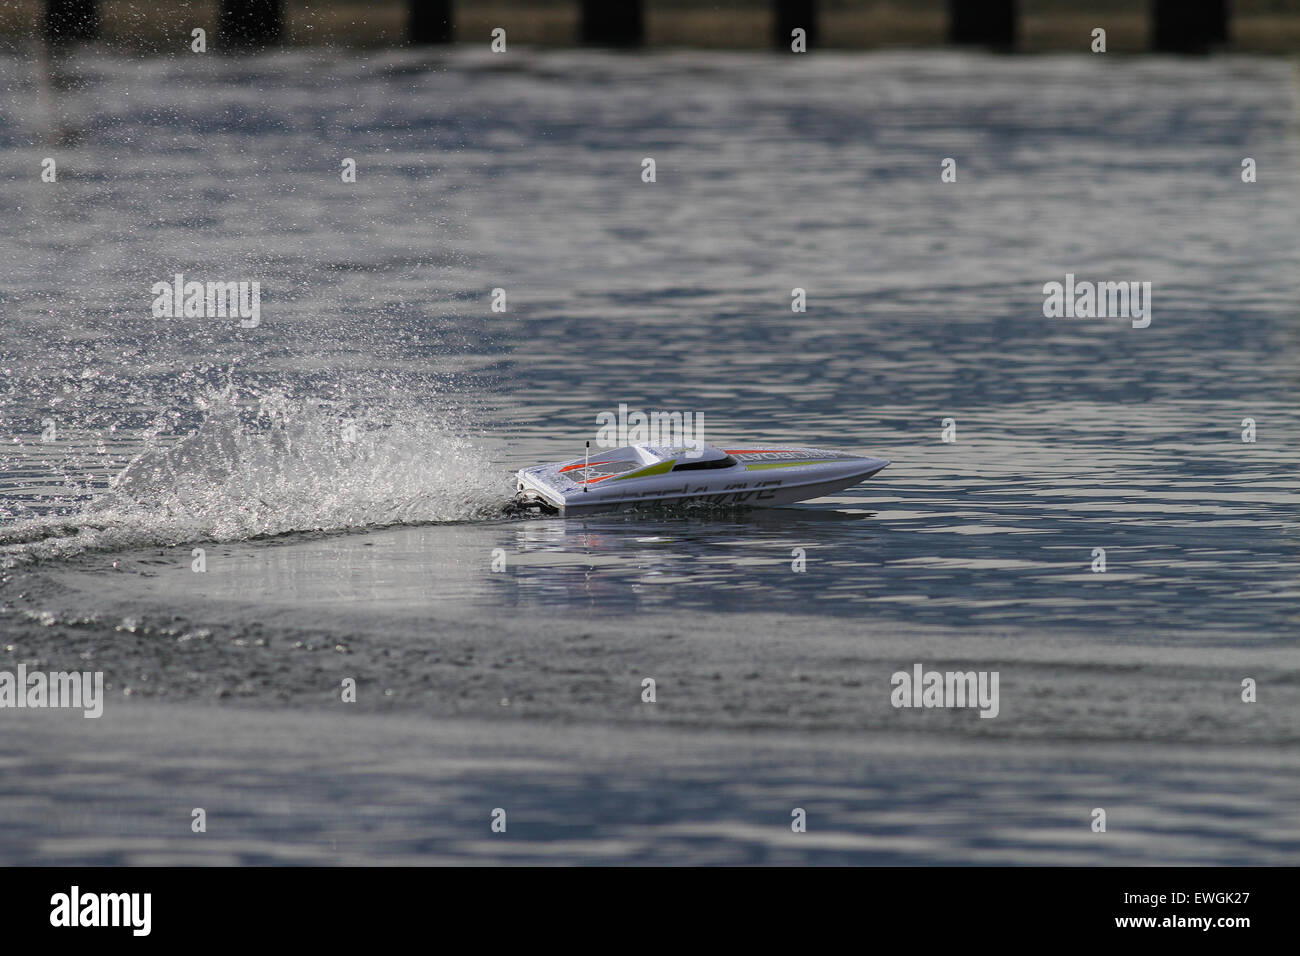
<point>586,464</point>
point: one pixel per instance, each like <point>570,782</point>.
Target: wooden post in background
<point>990,23</point>
<point>789,14</point>
<point>250,23</point>
<point>71,20</point>
<point>613,22</point>
<point>430,21</point>
<point>1188,26</point>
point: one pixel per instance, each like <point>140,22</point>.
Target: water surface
<point>343,464</point>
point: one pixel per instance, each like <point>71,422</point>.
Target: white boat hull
<point>643,477</point>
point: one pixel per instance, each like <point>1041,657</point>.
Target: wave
<point>283,466</point>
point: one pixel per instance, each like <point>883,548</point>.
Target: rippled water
<point>479,172</point>
<point>380,388</point>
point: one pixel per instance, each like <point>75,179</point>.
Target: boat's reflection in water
<point>703,559</point>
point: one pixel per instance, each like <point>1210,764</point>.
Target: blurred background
<point>1028,25</point>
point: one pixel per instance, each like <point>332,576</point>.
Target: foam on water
<point>270,464</point>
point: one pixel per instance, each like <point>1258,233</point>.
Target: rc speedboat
<point>643,475</point>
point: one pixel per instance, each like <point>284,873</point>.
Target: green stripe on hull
<point>659,469</point>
